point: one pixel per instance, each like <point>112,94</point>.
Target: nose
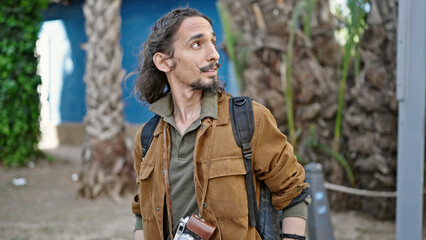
<point>213,54</point>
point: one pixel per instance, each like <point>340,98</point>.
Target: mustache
<point>210,66</point>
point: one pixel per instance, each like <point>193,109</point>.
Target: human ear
<point>162,61</point>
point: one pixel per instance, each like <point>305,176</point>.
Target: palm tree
<point>267,30</point>
<point>270,33</point>
<point>370,120</point>
<point>106,168</point>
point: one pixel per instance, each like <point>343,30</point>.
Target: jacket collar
<point>213,106</point>
<point>223,108</point>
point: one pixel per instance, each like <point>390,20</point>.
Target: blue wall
<point>64,27</point>
<point>67,89</point>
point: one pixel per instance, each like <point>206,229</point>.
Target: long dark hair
<point>152,83</point>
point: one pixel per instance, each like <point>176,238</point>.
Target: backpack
<point>266,220</point>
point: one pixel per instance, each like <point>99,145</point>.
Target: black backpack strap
<point>242,120</point>
<point>148,134</point>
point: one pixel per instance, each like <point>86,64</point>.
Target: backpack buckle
<point>144,150</point>
<point>247,152</point>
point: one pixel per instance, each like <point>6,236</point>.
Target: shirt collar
<point>164,106</point>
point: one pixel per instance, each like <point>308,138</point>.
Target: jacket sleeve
<point>137,157</point>
<point>274,161</point>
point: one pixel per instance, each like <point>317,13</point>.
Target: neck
<point>187,108</point>
<point>187,105</point>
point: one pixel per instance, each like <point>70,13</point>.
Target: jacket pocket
<point>146,190</point>
<point>145,171</point>
<point>226,188</point>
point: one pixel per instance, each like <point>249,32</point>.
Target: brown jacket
<point>219,173</point>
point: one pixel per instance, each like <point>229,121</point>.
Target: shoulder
<point>263,117</point>
<point>259,107</point>
<point>260,110</point>
<point>137,140</point>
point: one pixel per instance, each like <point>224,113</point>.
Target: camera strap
<point>166,153</point>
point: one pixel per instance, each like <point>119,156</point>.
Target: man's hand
<point>139,235</point>
<point>294,225</point>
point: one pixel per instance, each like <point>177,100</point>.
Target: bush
<point>20,22</point>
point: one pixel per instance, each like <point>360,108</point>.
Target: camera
<point>194,228</point>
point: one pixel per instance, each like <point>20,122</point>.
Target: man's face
<point>195,55</point>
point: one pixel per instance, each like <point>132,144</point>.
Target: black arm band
<point>292,236</point>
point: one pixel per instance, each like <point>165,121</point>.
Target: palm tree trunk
<point>267,27</point>
<point>370,113</point>
<point>370,122</point>
<point>106,168</point>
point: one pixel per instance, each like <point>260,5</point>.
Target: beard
<point>211,86</point>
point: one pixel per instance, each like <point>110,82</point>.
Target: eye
<point>196,45</point>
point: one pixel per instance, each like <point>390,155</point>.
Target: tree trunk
<point>265,26</point>
<point>370,113</point>
<point>107,167</point>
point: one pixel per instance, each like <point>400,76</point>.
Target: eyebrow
<point>200,35</point>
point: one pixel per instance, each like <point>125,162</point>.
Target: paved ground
<point>48,207</point>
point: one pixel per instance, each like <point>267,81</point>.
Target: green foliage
<point>355,25</point>
<point>314,143</point>
<point>309,10</point>
<point>50,159</point>
<point>288,62</point>
<point>19,100</point>
<point>237,53</point>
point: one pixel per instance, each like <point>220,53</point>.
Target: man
<point>194,147</point>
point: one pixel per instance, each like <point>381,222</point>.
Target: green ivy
<point>20,22</point>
